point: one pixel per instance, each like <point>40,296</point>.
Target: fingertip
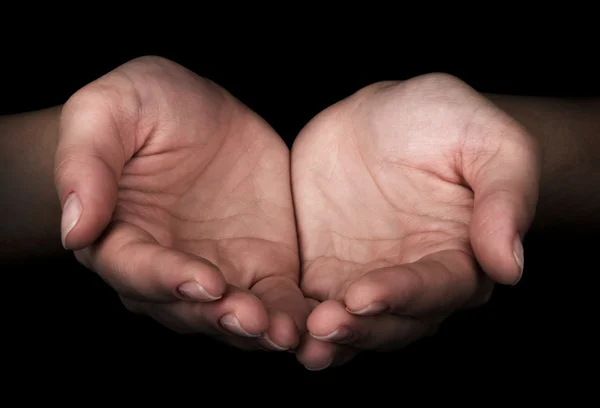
<point>501,258</point>
<point>497,243</point>
<point>519,255</point>
<point>282,334</point>
<point>319,366</point>
<point>269,344</point>
<point>88,203</point>
<point>326,318</point>
<point>362,297</point>
<point>371,309</point>
<point>194,291</point>
<point>316,355</point>
<point>71,213</point>
<point>243,314</point>
<point>231,323</point>
<point>283,331</point>
<point>204,283</point>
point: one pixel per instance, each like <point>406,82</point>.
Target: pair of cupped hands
<point>396,207</point>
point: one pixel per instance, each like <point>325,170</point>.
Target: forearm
<point>568,132</point>
<point>29,207</point>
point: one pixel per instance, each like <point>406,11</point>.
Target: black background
<point>61,323</point>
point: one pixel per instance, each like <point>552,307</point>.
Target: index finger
<point>131,261</point>
<point>439,283</point>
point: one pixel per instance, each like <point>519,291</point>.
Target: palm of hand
<point>383,219</point>
<point>209,178</point>
<point>371,199</point>
<point>223,195</point>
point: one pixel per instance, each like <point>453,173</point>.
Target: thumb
<point>96,140</point>
<point>505,184</point>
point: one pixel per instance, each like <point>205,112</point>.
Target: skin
<point>398,202</point>
<point>196,190</point>
<point>407,195</point>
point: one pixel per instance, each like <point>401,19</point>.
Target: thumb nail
<point>70,215</point>
<point>519,255</point>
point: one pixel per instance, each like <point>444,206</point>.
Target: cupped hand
<point>404,192</point>
<point>179,197</point>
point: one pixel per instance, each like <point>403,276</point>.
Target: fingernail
<point>338,335</point>
<point>373,308</point>
<point>70,215</point>
<point>194,291</point>
<point>319,368</point>
<point>230,323</point>
<point>519,256</point>
<point>265,337</point>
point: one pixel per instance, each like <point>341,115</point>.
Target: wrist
<point>30,210</point>
<point>568,132</point>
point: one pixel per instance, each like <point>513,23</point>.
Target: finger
<point>483,295</point>
<point>136,266</point>
<point>316,355</point>
<point>439,283</point>
<point>97,137</point>
<point>505,184</point>
<point>331,322</point>
<point>287,310</point>
<point>238,313</point>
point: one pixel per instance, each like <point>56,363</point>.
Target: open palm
<point>395,193</point>
<point>196,188</point>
